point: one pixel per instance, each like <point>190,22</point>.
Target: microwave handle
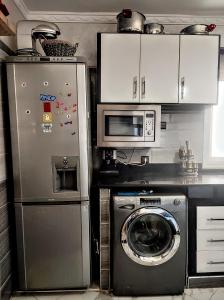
<point>135,86</point>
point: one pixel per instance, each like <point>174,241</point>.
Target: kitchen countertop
<point>162,178</point>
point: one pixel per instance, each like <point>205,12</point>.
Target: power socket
<point>144,160</point>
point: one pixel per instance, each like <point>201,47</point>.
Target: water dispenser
<point>65,173</point>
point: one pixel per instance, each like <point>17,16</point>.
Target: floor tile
<point>199,294</point>
<point>179,297</point>
<point>154,298</point>
<point>22,297</point>
<point>105,296</point>
<point>189,294</point>
<point>79,296</point>
<point>218,294</point>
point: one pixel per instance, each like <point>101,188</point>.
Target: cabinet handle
<point>135,87</point>
<point>214,241</point>
<point>182,83</point>
<point>215,262</point>
<point>215,219</point>
<point>143,86</point>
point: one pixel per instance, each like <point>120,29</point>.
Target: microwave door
<point>126,126</point>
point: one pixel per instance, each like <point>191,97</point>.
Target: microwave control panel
<point>150,126</point>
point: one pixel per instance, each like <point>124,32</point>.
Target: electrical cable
<point>123,153</point>
<point>129,161</point>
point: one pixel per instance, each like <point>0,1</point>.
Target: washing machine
<point>149,244</point>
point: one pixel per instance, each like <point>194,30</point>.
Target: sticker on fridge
<point>47,127</point>
<point>48,98</point>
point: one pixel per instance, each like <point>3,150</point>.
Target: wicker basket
<point>59,48</point>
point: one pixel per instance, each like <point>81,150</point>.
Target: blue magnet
<point>48,98</point>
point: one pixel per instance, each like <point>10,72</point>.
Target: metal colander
<point>59,48</point>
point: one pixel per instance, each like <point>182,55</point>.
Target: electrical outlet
<point>144,160</point>
<point>163,125</point>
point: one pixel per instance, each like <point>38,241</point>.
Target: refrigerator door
<point>53,246</point>
<point>48,118</point>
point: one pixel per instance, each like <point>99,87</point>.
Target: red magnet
<point>65,108</point>
<point>47,107</point>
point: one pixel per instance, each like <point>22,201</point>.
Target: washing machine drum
<point>150,236</point>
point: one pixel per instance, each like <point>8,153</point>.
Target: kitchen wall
<point>7,233</point>
<point>14,16</point>
<point>182,126</point>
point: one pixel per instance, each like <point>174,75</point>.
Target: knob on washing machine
<point>176,201</point>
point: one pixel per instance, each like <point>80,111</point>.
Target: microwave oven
<point>128,125</point>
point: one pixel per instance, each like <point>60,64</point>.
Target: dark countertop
<point>135,177</point>
<point>205,179</point>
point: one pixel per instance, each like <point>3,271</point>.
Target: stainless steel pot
<point>130,21</point>
<point>198,29</point>
<point>153,28</point>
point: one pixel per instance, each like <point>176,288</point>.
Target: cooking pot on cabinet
<point>153,28</point>
<point>198,29</point>
<point>130,21</point>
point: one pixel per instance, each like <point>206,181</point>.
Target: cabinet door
<point>120,56</point>
<point>199,57</point>
<point>159,68</point>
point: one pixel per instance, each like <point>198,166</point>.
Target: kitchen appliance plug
<point>145,160</point>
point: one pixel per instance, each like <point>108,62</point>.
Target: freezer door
<point>53,246</point>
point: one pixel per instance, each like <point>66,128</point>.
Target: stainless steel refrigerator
<point>50,152</point>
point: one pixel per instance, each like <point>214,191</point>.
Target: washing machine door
<point>150,236</point>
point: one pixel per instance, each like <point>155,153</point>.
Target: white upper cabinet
<point>199,60</point>
<point>144,68</point>
<point>120,67</point>
<point>159,66</point>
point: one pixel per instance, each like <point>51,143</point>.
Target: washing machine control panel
<point>159,200</point>
<point>150,201</point>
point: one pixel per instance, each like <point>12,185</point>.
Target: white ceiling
<point>181,7</point>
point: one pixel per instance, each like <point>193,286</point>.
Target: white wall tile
<point>180,127</point>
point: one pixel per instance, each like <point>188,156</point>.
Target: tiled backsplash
<point>180,127</point>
